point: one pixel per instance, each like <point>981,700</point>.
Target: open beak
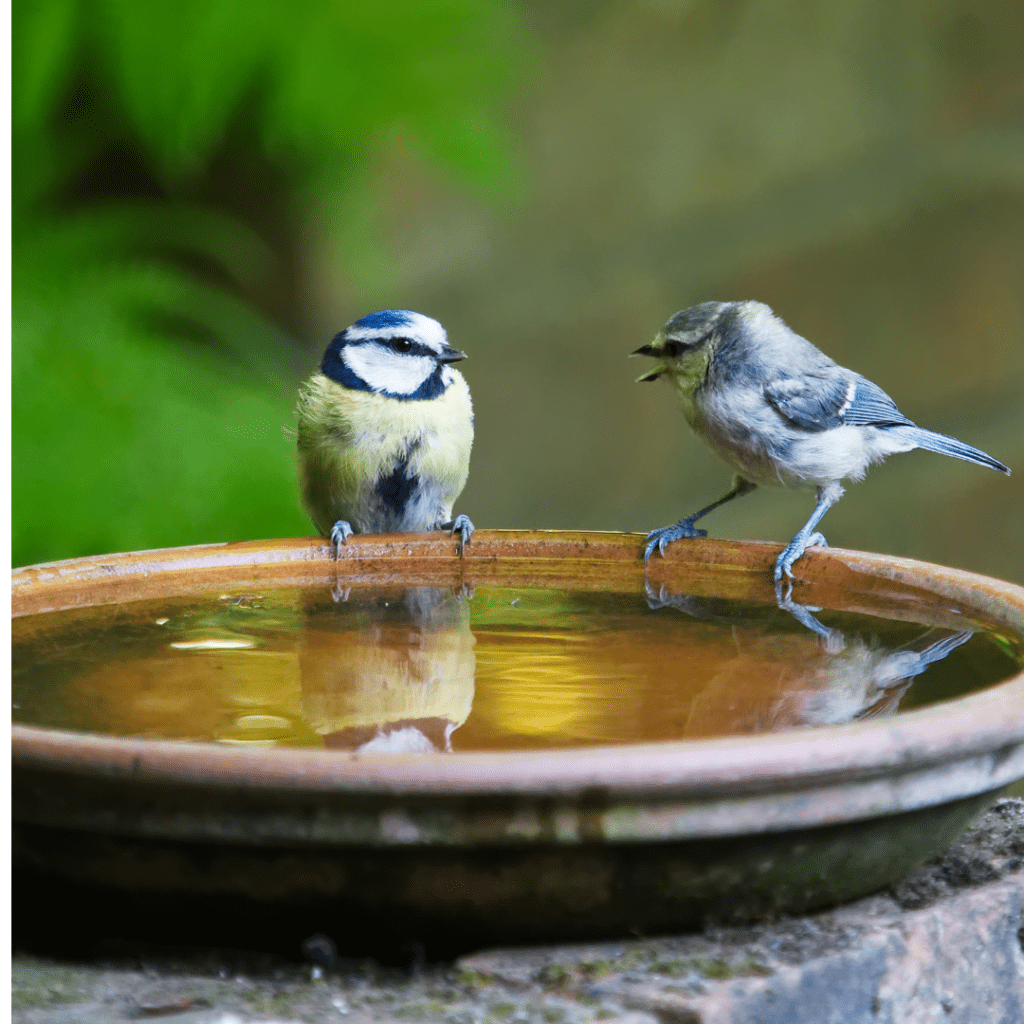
<point>650,350</point>
<point>450,355</point>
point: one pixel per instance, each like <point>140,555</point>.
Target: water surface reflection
<point>389,668</point>
<point>780,680</point>
<point>389,671</point>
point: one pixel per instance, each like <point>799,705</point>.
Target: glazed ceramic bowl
<point>516,845</point>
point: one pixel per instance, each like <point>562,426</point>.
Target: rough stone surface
<point>958,961</point>
<point>945,945</point>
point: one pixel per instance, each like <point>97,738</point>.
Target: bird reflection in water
<point>781,680</point>
<point>391,671</point>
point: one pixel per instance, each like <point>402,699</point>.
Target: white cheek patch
<point>385,370</point>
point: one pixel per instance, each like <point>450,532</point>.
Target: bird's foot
<point>833,639</point>
<point>667,534</point>
<point>463,526</point>
<point>340,533</point>
<point>793,551</point>
<point>664,598</point>
<point>655,598</point>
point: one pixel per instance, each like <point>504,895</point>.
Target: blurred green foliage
<point>165,155</point>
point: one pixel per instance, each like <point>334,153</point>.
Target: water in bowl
<point>417,669</point>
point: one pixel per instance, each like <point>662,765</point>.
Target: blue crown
<point>387,318</point>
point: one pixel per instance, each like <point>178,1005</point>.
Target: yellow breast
<point>348,439</point>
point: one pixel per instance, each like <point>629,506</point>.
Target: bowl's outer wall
<point>487,895</point>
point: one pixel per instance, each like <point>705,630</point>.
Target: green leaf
<point>181,70</point>
<point>43,41</point>
<point>122,439</point>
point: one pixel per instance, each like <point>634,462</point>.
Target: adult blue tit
<point>385,429</point>
<point>779,411</point>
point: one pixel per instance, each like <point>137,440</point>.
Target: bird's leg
<point>833,639</point>
<point>685,528</point>
<point>463,526</point>
<point>808,536</point>
<point>340,533</point>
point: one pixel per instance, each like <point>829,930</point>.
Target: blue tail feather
<point>945,445</point>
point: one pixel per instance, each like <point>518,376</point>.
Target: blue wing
<point>823,402</point>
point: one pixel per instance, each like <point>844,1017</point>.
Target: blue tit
<point>392,672</point>
<point>779,411</point>
<point>385,429</point>
<point>837,680</point>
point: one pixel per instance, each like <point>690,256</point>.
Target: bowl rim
<point>984,730</point>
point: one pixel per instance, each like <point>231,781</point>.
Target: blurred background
<point>205,192</point>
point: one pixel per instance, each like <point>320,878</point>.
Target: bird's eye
<point>674,349</point>
<point>403,344</point>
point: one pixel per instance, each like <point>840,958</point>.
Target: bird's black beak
<point>646,350</point>
<point>450,355</point>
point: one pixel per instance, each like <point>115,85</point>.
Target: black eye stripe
<point>401,345</point>
<point>408,347</point>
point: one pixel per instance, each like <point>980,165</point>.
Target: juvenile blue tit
<point>779,411</point>
<point>385,429</point>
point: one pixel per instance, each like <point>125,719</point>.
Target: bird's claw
<point>784,563</point>
<point>665,535</point>
<point>340,533</point>
<point>664,598</point>
<point>463,526</point>
<point>655,600</point>
<point>793,551</point>
<point>660,599</point>
<point>833,639</point>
